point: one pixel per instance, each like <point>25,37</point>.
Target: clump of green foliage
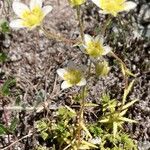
<point>4,26</point>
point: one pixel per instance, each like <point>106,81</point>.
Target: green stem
<point>81,112</point>
<point>125,77</point>
<point>50,35</point>
<point>104,27</point>
<point>78,9</point>
<point>81,119</point>
<point>124,65</point>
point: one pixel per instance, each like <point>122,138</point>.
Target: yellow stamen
<point>73,76</point>
<point>112,6</point>
<point>94,49</point>
<point>33,17</point>
<point>76,2</point>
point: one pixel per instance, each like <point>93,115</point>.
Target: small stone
<point>14,56</point>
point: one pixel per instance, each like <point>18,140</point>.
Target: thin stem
<point>9,146</point>
<point>115,56</point>
<point>50,35</point>
<point>125,77</point>
<point>89,71</point>
<point>81,119</point>
<point>78,9</point>
<point>104,27</point>
<point>81,112</point>
<point>124,65</point>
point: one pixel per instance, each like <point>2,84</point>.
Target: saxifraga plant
<point>70,128</point>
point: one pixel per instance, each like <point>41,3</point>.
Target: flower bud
<point>102,68</point>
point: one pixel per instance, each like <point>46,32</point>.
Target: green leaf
<point>104,121</point>
<point>123,69</point>
<point>85,129</point>
<point>129,104</point>
<point>4,26</point>
<point>91,105</point>
<point>127,90</point>
<point>95,130</point>
<point>66,114</point>
<point>3,57</point>
<point>7,85</point>
<point>42,125</point>
<point>13,124</point>
<point>71,110</point>
<point>105,98</point>
<point>115,128</point>
<point>127,120</point>
<point>126,71</point>
<point>130,73</point>
<point>123,113</point>
<point>3,129</point>
<point>44,135</point>
<point>89,144</point>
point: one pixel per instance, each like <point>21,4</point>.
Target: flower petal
<point>61,72</point>
<point>99,38</point>
<point>103,12</point>
<point>19,8</point>
<point>34,3</point>
<point>82,82</point>
<point>129,5</point>
<point>82,48</point>
<point>47,9</point>
<point>87,38</point>
<point>97,2</point>
<point>16,24</point>
<point>107,49</point>
<point>66,85</point>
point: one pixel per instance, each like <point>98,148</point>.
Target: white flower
<point>72,76</point>
<point>29,17</point>
<point>114,6</point>
<point>94,46</point>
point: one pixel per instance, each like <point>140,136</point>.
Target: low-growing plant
<point>68,128</point>
<point>4,26</point>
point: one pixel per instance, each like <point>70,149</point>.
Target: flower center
<point>76,2</point>
<point>112,6</point>
<point>95,49</point>
<point>33,17</point>
<point>73,76</point>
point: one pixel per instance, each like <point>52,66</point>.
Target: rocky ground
<point>34,59</point>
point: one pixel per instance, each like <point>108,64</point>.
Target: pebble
<point>14,56</point>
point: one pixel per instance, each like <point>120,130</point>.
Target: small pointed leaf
<point>129,104</point>
<point>123,113</point>
<point>89,144</point>
<point>123,69</point>
<point>115,128</point>
<point>90,105</point>
<point>127,90</point>
<point>104,121</point>
<point>85,129</point>
<point>130,73</point>
<point>70,109</point>
<point>127,120</point>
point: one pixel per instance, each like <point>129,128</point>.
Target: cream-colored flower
<point>76,2</point>
<point>72,76</point>
<point>94,47</point>
<point>114,6</point>
<point>29,17</point>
